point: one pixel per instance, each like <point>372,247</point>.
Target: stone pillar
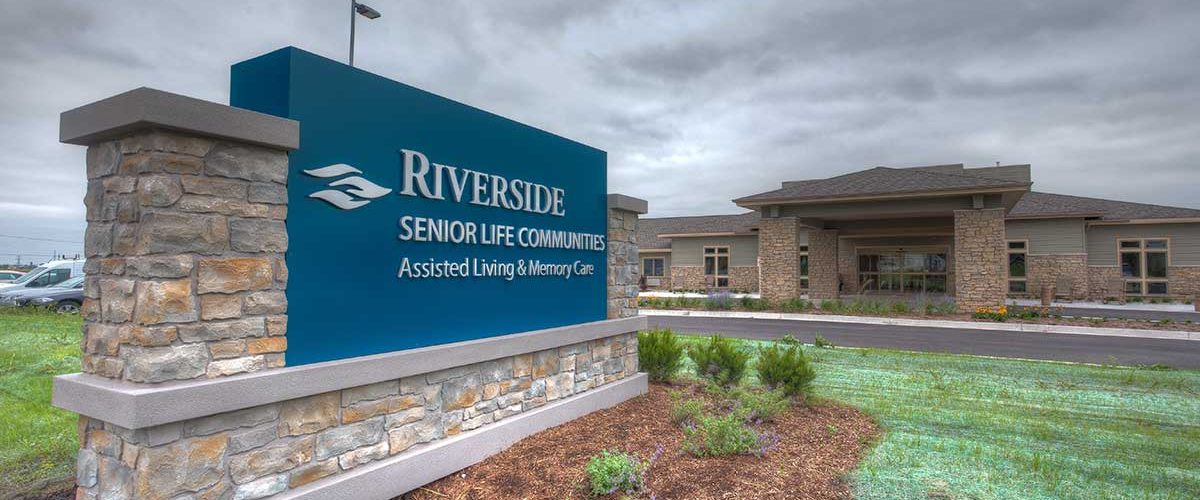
<point>779,258</point>
<point>624,270</point>
<point>823,264</point>
<point>980,258</point>
<point>184,245</point>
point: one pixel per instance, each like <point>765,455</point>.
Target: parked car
<point>7,276</point>
<point>64,297</point>
<point>50,273</point>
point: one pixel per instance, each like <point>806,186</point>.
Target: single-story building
<point>979,234</point>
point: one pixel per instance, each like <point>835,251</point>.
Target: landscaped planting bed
<point>818,445</point>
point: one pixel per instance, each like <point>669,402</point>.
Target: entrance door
<point>898,270</point>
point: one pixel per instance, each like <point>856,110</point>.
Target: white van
<point>50,273</point>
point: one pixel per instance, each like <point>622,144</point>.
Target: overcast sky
<point>696,102</point>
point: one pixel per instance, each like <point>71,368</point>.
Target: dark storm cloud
<point>696,102</point>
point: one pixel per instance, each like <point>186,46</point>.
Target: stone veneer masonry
<point>184,245</point>
<point>186,279</point>
<point>260,451</point>
<point>687,278</point>
<point>1182,282</point>
<point>823,277</point>
<point>1044,269</point>
<point>779,258</point>
<point>980,258</point>
<point>624,266</point>
<point>743,278</point>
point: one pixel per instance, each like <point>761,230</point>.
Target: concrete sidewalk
<point>934,323</point>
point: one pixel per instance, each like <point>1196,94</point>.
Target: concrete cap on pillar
<point>627,203</point>
<point>143,108</point>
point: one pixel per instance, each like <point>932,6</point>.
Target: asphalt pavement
<point>1029,345</point>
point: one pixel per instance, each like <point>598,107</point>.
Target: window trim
<point>716,255</point>
<point>662,267</point>
<point>803,255</point>
<point>1144,280</point>
<point>1009,250</point>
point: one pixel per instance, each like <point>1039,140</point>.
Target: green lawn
<point>37,442</point>
<point>970,427</point>
<point>955,426</point>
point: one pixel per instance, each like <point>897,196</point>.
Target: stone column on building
<point>779,258</point>
<point>185,240</point>
<point>624,270</point>
<point>823,279</point>
<point>980,258</point>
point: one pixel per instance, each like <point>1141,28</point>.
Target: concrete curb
<point>930,323</point>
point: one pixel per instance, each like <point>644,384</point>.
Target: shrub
<point>660,353</point>
<point>719,301</point>
<point>795,305</point>
<point>753,304</point>
<point>760,406</point>
<point>786,369</point>
<point>719,360</point>
<point>613,471</point>
<point>831,305</point>
<point>720,436</point>
<point>900,307</point>
<point>788,340</point>
<point>821,343</point>
<point>687,412</point>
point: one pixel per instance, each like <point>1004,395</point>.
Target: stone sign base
<point>370,427</point>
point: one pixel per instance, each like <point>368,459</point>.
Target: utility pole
<point>355,10</point>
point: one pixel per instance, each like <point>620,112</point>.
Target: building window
<point>653,267</point>
<point>1144,265</point>
<point>902,271</point>
<point>804,266</point>
<point>1018,253</point>
<point>716,266</point>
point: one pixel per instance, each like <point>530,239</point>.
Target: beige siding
<point>1049,236</point>
<point>1185,241</point>
<point>743,250</point>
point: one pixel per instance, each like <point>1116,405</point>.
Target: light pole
<point>355,10</point>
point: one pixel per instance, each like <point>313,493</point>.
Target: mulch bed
<point>818,446</point>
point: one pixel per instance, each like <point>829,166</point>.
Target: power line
<point>38,239</point>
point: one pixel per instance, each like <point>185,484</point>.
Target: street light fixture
<point>365,11</point>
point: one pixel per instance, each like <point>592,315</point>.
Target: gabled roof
<point>1048,205</point>
<point>650,229</point>
<point>880,181</point>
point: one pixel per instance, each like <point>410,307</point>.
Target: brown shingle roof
<point>878,181</point>
<point>1035,204</point>
<point>649,229</point>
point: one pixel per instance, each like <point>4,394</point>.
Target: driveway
<point>1050,346</point>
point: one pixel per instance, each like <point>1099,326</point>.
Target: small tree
<point>660,353</point>
<point>719,360</point>
<point>786,369</point>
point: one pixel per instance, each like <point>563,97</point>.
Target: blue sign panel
<point>415,220</point>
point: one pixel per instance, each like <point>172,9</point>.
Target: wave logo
<point>359,187</point>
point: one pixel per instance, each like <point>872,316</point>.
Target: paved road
<point>1062,347</point>
<point>1085,312</point>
